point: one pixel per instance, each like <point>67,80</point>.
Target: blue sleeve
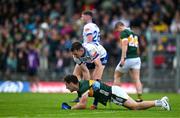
<point>96,85</point>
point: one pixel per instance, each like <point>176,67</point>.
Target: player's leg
<point>119,72</point>
<point>133,105</point>
<point>95,102</point>
<point>135,75</point>
<point>117,78</point>
<point>120,97</point>
<point>135,65</point>
<point>77,72</point>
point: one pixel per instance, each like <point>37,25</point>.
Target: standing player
<point>91,59</point>
<point>130,61</point>
<point>91,32</point>
<point>104,93</point>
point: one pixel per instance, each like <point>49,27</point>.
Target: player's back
<point>132,43</point>
<point>93,48</point>
<point>91,29</point>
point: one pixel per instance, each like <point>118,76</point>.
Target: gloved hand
<point>65,106</point>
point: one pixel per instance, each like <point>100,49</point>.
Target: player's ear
<point>82,50</point>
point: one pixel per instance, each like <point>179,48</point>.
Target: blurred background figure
<point>33,63</point>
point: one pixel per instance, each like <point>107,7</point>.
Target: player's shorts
<point>131,63</point>
<point>119,96</point>
<point>103,62</point>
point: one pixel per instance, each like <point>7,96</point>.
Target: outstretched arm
<point>83,102</point>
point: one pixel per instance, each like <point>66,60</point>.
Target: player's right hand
<point>93,107</point>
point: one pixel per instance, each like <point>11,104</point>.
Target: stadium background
<point>50,27</point>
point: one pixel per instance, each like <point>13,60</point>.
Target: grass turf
<point>48,105</point>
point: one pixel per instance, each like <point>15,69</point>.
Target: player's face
<point>71,87</point>
<point>84,18</point>
<point>78,53</point>
<point>119,28</point>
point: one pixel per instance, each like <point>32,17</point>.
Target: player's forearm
<point>124,50</point>
<point>79,106</point>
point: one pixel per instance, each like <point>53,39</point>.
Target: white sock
<point>158,103</point>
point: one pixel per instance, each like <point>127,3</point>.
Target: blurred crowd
<point>48,27</point>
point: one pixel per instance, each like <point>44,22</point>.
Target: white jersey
<point>92,51</point>
<point>91,28</point>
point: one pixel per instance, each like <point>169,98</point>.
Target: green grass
<point>36,105</point>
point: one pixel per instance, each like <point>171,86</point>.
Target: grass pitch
<point>39,105</point>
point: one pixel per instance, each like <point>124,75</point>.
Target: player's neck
<point>89,21</point>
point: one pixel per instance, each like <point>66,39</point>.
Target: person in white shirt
<point>91,32</point>
<point>89,56</point>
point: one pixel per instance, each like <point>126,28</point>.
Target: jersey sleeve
<point>124,35</point>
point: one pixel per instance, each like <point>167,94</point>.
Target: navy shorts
<point>92,65</point>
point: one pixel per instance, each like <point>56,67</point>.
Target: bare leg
<point>77,71</point>
<point>92,71</point>
<point>135,75</point>
<point>117,78</point>
<point>133,105</point>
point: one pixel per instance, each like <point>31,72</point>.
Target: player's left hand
<point>65,106</point>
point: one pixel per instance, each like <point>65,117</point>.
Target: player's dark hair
<point>71,78</point>
<point>76,46</point>
<point>119,24</point>
<point>87,12</point>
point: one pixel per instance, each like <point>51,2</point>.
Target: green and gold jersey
<point>102,94</point>
<point>132,43</point>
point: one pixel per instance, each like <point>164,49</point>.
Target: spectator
<point>175,25</point>
<point>22,62</point>
<point>33,64</point>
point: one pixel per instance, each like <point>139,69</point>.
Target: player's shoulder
<point>83,83</point>
<point>90,25</point>
<point>89,45</point>
<point>126,33</point>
